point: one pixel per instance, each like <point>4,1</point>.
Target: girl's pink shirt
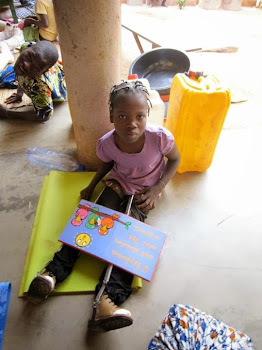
<point>134,171</point>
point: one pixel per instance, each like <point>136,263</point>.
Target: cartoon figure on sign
<point>106,224</point>
<point>93,219</point>
<point>82,240</point>
<point>80,214</point>
<point>77,221</point>
<point>83,212</point>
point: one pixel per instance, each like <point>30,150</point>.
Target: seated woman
<point>44,20</point>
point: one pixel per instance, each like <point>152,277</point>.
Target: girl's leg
<point>118,287</point>
<point>54,272</point>
<point>109,316</point>
<point>63,262</point>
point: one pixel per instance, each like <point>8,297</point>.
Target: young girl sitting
<point>134,156</point>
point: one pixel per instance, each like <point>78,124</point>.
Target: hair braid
<point>126,86</point>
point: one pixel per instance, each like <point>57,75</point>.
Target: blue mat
<point>5,293</point>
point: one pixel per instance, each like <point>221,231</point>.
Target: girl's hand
<point>146,198</point>
<point>13,98</point>
<point>86,193</point>
<point>32,17</point>
<point>28,21</point>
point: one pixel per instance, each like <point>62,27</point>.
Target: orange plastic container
<point>196,113</point>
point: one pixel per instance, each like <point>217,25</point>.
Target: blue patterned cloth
<point>5,292</point>
<point>8,79</point>
<point>187,328</point>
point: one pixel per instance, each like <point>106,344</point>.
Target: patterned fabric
<point>187,328</point>
<point>45,89</point>
<point>8,79</point>
<point>25,44</point>
<point>31,33</point>
<point>27,8</point>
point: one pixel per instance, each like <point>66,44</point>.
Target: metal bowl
<point>159,66</point>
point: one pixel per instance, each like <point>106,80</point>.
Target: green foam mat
<point>59,197</point>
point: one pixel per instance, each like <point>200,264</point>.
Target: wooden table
<point>137,37</point>
<point>155,43</point>
<point>181,30</point>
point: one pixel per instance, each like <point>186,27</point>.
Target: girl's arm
<point>146,198</point>
<point>6,113</point>
<point>171,166</point>
<point>16,97</point>
<point>101,172</point>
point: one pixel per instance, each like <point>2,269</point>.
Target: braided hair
<point>125,87</point>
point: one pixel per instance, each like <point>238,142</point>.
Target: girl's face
<point>30,63</point>
<point>129,116</point>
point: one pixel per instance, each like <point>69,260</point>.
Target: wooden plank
<point>139,35</point>
<point>138,42</point>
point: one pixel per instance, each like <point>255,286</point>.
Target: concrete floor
<point>212,258</point>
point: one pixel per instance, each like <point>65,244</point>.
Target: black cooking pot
<point>159,66</point>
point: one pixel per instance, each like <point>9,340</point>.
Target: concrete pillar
<point>89,36</point>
